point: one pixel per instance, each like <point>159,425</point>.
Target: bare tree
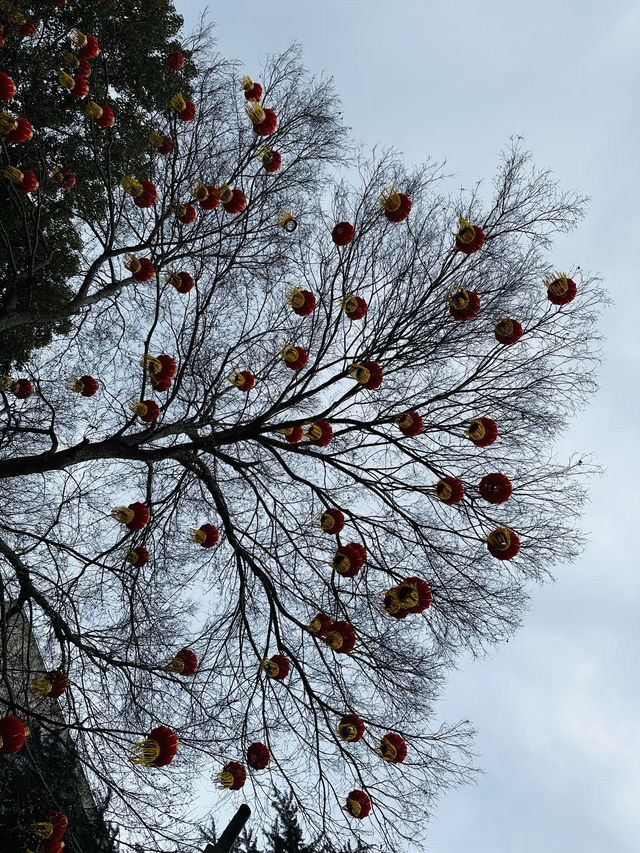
<point>218,455</point>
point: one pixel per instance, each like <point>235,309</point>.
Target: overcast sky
<point>557,709</point>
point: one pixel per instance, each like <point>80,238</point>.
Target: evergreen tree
<point>285,835</point>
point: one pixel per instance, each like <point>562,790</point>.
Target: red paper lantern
<point>161,384</point>
<point>134,516</point>
<point>212,200</point>
<point>331,521</point>
<point>90,50</point>
<point>271,160</point>
<point>320,624</point>
<point>483,432</point>
<point>83,69</point>
<point>303,302</point>
<point>12,734</point>
<point>141,268</point>
<point>393,748</point>
<point>560,290</point>
<point>175,60</point>
<point>138,556</point>
<point>106,120</point>
<point>29,182</point>
<point>188,113</point>
<point>58,821</point>
<point>157,750</point>
<point>254,92</point>
<point>410,423</point>
<point>349,559</point>
<point>350,728</point>
<point>233,776</point>
<point>413,595</point>
<point>20,388</point>
<point>358,804</point>
<point>503,543</point>
<point>343,233</point>
<point>292,434</point>
<point>7,87</point>
<point>268,125</point>
<point>184,663</point>
<point>85,385</point>
<point>464,305</point>
<point>354,307</point>
<point>237,203</point>
<point>469,238</point>
<point>186,213</point>
<point>206,535</point>
<point>295,357</point>
<point>495,488</point>
<point>52,685</point>
<point>258,756</point>
<point>80,87</point>
<point>397,206</point>
<point>276,667</point>
<point>508,331</point>
<point>341,637</point>
<point>243,379</point>
<point>182,281</point>
<point>64,178</point>
<point>449,490</point>
<point>367,373</point>
<point>147,410</point>
<point>319,433</point>
<point>162,144</point>
<point>160,367</point>
<point>21,133</point>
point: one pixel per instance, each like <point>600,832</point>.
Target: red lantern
<point>397,206</point>
<point>21,133</point>
<point>464,305</point>
<point>147,410</point>
<point>237,203</point>
<point>392,748</point>
<point>157,750</point>
<point>271,160</point>
<point>358,804</point>
<point>160,367</point>
<point>331,521</point>
<point>276,667</point>
<point>350,728</point>
<point>367,373</point>
<point>141,268</point>
<point>503,543</point>
<point>90,50</point>
<point>189,214</point>
<point>243,379</point>
<point>413,595</point>
<point>28,29</point>
<point>184,663</point>
<point>80,87</point>
<point>106,119</point>
<point>161,384</point>
<point>449,490</point>
<point>292,434</point>
<point>143,192</point>
<point>483,432</point>
<point>162,144</point>
<point>206,535</point>
<point>341,637</point>
<point>354,307</point>
<point>508,332</point>
<point>64,177</point>
<point>303,302</point>
<point>469,238</point>
<point>560,290</point>
<point>58,823</point>
<point>29,182</point>
<point>349,559</point>
<point>264,120</point>
<point>233,776</point>
<point>320,624</point>
<point>20,388</point>
<point>85,385</point>
<point>83,69</point>
<point>12,734</point>
<point>52,685</point>
<point>319,433</point>
<point>252,91</point>
<point>294,357</point>
<point>188,113</point>
<point>175,60</point>
<point>7,87</point>
<point>495,488</point>
<point>258,756</point>
<point>138,556</point>
<point>343,233</point>
<point>182,281</point>
<point>410,423</point>
<point>212,200</point>
<point>134,516</point>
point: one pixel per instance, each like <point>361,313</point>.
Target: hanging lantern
<point>508,332</point>
<point>85,385</point>
<point>147,410</point>
<point>560,290</point>
<point>134,517</point>
<point>449,490</point>
<point>21,132</point>
<point>77,85</point>
<point>161,367</point>
<point>354,307</point>
<point>199,191</point>
<point>343,233</point>
<point>469,238</point>
<point>413,595</point>
<point>294,357</point>
<point>349,559</point>
<point>206,535</point>
<point>93,110</point>
<point>392,748</point>
<point>90,49</point>
<point>258,756</point>
<point>319,433</point>
<point>144,193</point>
<point>410,423</point>
<point>320,624</point>
<point>264,120</point>
<point>12,734</point>
<point>212,200</point>
<point>495,488</point>
<point>276,667</point>
<point>71,60</point>
<point>141,268</point>
<point>184,663</point>
<point>188,113</point>
<point>64,178</point>
<point>287,221</point>
<point>175,60</point>
<point>162,144</point>
<point>186,213</point>
<point>157,750</point>
<point>137,556</point>
<point>52,829</point>
<point>20,388</point>
<point>397,206</point>
<point>7,87</point>
<point>182,281</point>
<point>243,379</point>
<point>292,434</point>
<point>358,804</point>
<point>350,728</point>
<point>8,123</point>
<point>160,384</point>
<point>236,203</point>
<point>271,160</point>
<point>464,305</point>
<point>367,373</point>
<point>52,685</point>
<point>341,638</point>
<point>233,776</point>
<point>28,29</point>
<point>331,521</point>
<point>83,68</point>
<point>503,543</point>
<point>252,91</point>
<point>483,432</point>
<point>303,302</point>
<point>25,181</point>
<point>106,119</point>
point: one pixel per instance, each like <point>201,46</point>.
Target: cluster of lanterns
<point>234,774</point>
<point>413,595</point>
<point>160,370</point>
